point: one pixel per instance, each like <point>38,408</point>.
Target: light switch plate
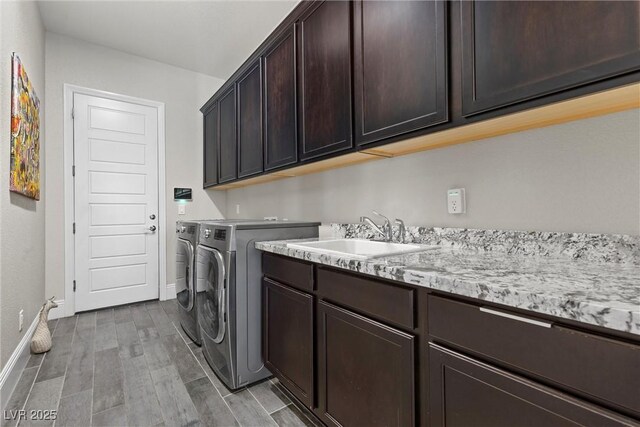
<point>182,209</point>
<point>456,201</point>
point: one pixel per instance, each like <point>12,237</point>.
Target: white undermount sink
<point>356,248</point>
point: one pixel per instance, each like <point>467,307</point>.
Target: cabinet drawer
<point>394,304</point>
<point>603,368</point>
<point>298,274</point>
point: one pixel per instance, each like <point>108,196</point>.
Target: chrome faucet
<point>385,231</point>
<point>401,229</point>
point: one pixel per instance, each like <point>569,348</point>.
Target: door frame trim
<point>69,196</point>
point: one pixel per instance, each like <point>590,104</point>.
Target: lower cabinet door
<point>466,392</point>
<point>365,371</point>
<point>287,338</point>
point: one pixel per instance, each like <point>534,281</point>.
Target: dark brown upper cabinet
<point>249,87</point>
<point>324,43</point>
<point>228,142</point>
<point>280,102</point>
<point>513,51</point>
<point>400,67</point>
<point>210,141</point>
<point>365,371</point>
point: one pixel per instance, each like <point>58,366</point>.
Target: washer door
<point>185,291</point>
<point>211,278</point>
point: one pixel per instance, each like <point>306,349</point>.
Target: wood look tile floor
<point>134,366</point>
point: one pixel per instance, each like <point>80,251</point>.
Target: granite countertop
<point>602,294</point>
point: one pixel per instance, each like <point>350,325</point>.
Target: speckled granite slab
<point>590,247</point>
<point>606,294</point>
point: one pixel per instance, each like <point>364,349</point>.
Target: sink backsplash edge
<point>614,248</point>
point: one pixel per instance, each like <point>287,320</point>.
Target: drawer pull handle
<point>518,318</point>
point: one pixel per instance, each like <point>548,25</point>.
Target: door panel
<point>400,68</point>
<point>280,102</point>
<point>210,134</point>
<point>325,73</point>
<point>365,371</point>
<point>228,142</point>
<point>184,274</point>
<point>210,276</point>
<point>116,191</point>
<point>288,338</point>
<point>250,122</point>
<point>513,51</point>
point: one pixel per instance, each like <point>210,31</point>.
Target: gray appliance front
<point>184,274</point>
<point>216,307</point>
<point>248,295</point>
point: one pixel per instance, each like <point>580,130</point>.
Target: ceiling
<point>210,37</point>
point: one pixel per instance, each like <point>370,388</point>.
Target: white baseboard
<point>13,369</point>
<point>58,312</point>
<point>171,291</point>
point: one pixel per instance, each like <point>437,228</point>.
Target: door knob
<point>152,228</point>
<point>152,216</point>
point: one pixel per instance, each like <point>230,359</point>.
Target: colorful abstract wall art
<point>25,133</point>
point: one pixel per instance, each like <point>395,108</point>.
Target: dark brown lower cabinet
<point>465,392</point>
<point>365,371</point>
<point>287,339</point>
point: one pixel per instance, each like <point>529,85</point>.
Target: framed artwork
<point>25,133</point>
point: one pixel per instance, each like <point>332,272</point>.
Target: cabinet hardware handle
<point>513,317</point>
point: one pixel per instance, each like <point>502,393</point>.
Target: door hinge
<point>73,170</point>
<point>74,228</point>
<point>73,113</point>
<point>74,286</point>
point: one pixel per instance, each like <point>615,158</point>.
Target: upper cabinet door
<point>228,153</point>
<point>400,67</point>
<point>210,131</point>
<point>325,79</point>
<point>249,88</point>
<point>513,51</point>
<point>280,120</point>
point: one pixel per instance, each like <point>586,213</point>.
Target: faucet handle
<point>386,220</point>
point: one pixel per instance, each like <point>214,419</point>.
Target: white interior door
<point>116,202</point>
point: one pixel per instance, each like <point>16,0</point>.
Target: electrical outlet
<point>20,320</point>
<point>456,201</point>
<point>270,218</point>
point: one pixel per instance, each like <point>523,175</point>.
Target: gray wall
<point>183,92</point>
<point>21,219</point>
<point>582,176</point>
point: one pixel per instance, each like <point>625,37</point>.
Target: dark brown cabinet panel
<point>289,271</point>
<point>280,102</point>
<point>400,69</point>
<point>606,369</point>
<point>249,87</point>
<point>373,298</point>
<point>464,392</point>
<point>325,79</point>
<point>210,141</point>
<point>288,338</point>
<point>365,371</point>
<point>228,142</point>
<point>513,51</point>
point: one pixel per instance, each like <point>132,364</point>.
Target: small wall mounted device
<point>455,201</point>
<point>182,194</point>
